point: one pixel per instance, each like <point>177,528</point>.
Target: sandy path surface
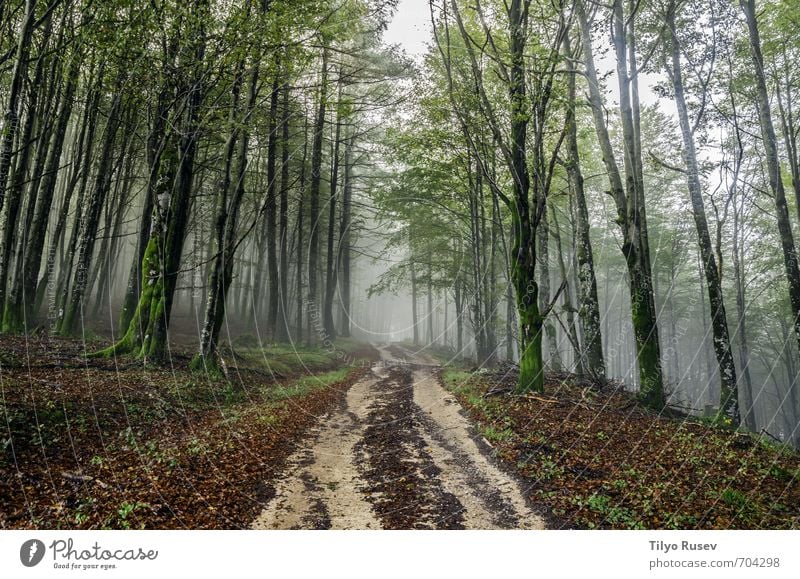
<point>400,454</point>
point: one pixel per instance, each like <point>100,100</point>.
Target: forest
<point>222,220</point>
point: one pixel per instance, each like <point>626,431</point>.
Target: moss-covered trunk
<point>147,333</point>
<point>531,362</point>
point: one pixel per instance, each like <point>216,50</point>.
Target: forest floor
<point>351,437</point>
<point>594,458</point>
<point>397,454</point>
<point>112,443</point>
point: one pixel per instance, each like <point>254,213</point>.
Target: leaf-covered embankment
<point>596,459</point>
<point>116,444</point>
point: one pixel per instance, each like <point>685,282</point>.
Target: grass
<point>304,386</point>
<point>283,359</point>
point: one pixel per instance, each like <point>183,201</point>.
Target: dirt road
<point>399,455</point>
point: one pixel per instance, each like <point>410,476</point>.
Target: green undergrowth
<point>286,359</point>
<point>446,357</point>
<point>306,385</point>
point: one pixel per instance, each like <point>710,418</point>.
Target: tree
<point>770,143</point>
<point>729,402</point>
<point>629,198</point>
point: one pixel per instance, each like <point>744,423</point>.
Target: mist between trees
<point>201,171</point>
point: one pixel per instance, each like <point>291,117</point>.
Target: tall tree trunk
<point>222,262</point>
<point>589,311</point>
<point>788,125</point>
<point>531,364</point>
<point>330,255</point>
<point>12,113</point>
<point>147,331</point>
<point>746,401</point>
<point>431,337</point>
<point>282,333</point>
<point>66,268</point>
<point>568,308</point>
<point>544,289</point>
<point>46,117</point>
<point>15,196</point>
<point>90,221</point>
<point>316,168</point>
<point>344,240</point>
<point>728,401</point>
<point>773,166</point>
<point>271,205</point>
<point>458,300</point>
<point>156,141</point>
<point>300,214</point>
<point>114,214</point>
<point>630,209</point>
<point>79,170</point>
<point>24,300</point>
<point>414,313</point>
<point>509,322</point>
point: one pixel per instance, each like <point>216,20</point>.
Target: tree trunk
<point>344,240</point>
<point>156,141</point>
<point>12,113</point>
<point>568,308</point>
<point>300,214</point>
<point>330,254</point>
<point>282,332</point>
<point>544,290</point>
<point>223,259</point>
<point>589,311</point>
<point>316,167</point>
<point>773,166</point>
<point>431,337</point>
<point>630,210</point>
<point>414,315</point>
<point>746,401</point>
<point>271,206</point>
<point>728,401</point>
<point>79,170</point>
<point>90,221</point>
<point>531,364</point>
<point>115,213</point>
<point>24,300</point>
<point>458,300</point>
<point>162,257</point>
<point>16,189</point>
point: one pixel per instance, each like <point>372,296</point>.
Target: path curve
<point>399,454</point>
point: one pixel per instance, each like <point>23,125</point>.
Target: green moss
<point>305,385</point>
<point>13,319</point>
<point>139,322</point>
<point>207,366</point>
<point>651,389</point>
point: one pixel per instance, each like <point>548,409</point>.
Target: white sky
<point>411,27</point>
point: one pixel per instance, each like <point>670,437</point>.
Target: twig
<point>540,399</point>
<point>83,478</point>
<point>775,438</point>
